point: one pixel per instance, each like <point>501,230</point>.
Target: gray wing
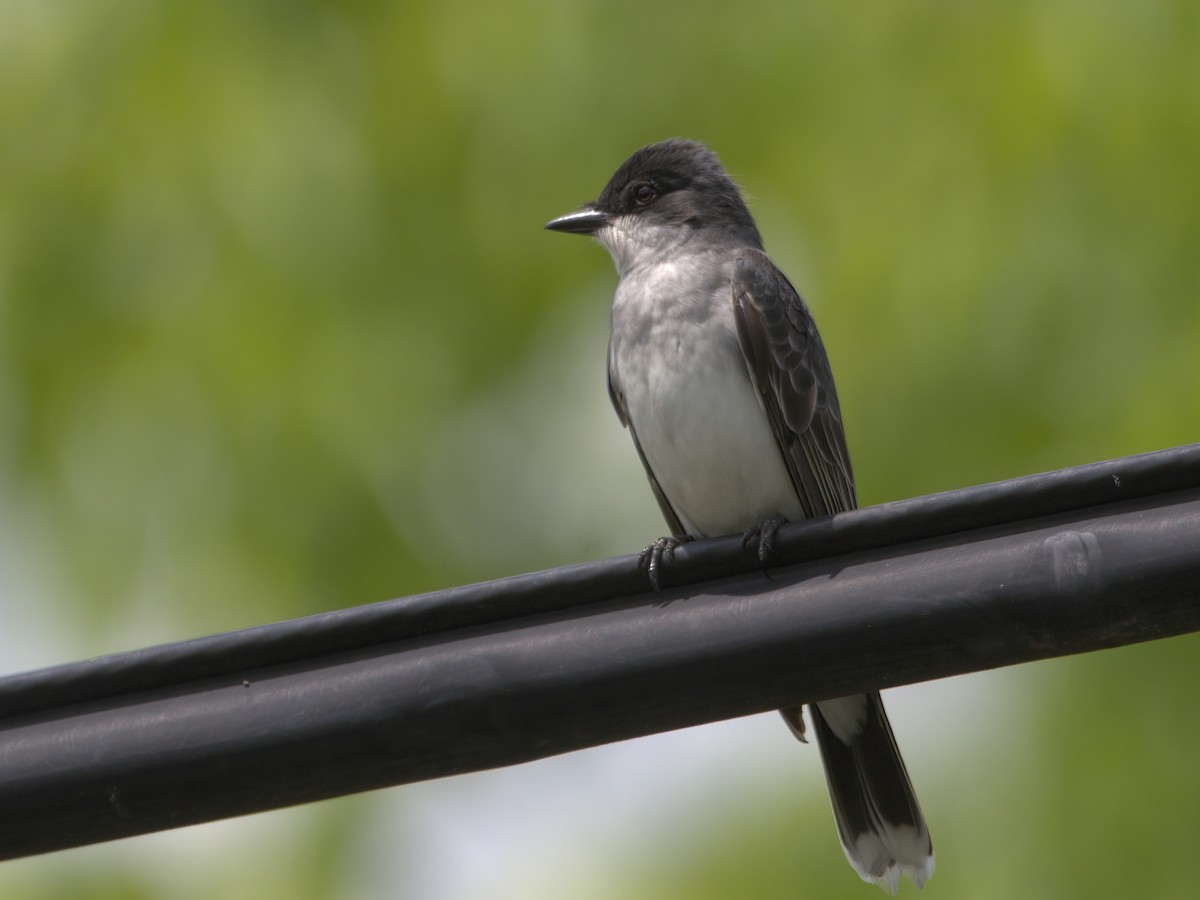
<point>618,402</point>
<point>878,818</point>
<point>790,370</point>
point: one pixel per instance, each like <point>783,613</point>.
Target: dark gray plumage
<point>716,368</point>
<point>790,369</point>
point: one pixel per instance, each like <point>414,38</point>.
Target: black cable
<point>526,667</point>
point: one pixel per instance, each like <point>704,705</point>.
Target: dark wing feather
<point>878,819</point>
<point>790,370</point>
<point>618,402</point>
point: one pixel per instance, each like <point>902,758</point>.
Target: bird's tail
<point>878,818</point>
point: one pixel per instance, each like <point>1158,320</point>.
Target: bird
<point>716,368</point>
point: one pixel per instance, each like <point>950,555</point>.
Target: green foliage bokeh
<point>257,260</point>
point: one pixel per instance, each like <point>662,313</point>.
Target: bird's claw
<point>759,539</point>
<point>658,554</point>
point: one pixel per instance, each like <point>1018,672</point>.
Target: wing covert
<point>791,373</point>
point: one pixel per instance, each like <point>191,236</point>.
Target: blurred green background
<point>280,333</point>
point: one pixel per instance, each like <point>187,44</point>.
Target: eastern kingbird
<point>716,368</point>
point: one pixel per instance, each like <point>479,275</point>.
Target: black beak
<point>585,220</point>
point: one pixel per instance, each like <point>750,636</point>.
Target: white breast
<point>684,383</point>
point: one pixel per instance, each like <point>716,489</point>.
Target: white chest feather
<point>684,383</point>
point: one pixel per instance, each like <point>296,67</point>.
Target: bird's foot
<point>759,539</point>
<point>659,554</point>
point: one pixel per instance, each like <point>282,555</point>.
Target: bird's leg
<point>657,554</point>
<point>759,539</point>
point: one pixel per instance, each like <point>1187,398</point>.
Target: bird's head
<point>663,196</point>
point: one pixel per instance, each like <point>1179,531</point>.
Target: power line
<point>522,668</point>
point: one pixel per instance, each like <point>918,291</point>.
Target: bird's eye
<point>644,193</point>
